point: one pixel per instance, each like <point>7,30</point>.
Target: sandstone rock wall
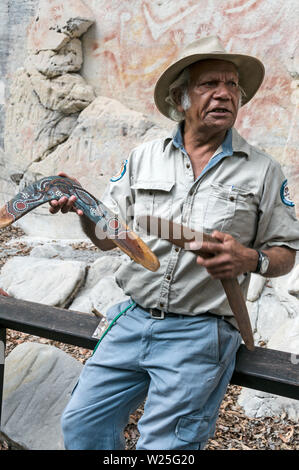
<point>57,57</point>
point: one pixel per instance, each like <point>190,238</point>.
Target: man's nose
<point>222,91</point>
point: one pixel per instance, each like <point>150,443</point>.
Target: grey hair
<point>182,82</point>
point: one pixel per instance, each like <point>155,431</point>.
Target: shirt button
<point>177,249</point>
<point>232,198</point>
<point>188,165</point>
<point>168,278</point>
<point>161,304</point>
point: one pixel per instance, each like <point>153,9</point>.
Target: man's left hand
<point>229,258</point>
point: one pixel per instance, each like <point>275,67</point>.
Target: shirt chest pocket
<point>152,198</point>
<point>231,209</point>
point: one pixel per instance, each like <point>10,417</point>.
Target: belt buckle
<point>157,314</point>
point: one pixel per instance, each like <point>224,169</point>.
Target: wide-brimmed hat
<point>251,70</point>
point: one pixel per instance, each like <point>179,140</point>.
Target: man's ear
<point>177,97</point>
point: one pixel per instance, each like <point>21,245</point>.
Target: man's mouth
<point>220,111</point>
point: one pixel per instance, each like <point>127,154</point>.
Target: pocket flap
<point>154,185</point>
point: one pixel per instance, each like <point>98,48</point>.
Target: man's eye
<point>232,84</point>
<point>210,83</point>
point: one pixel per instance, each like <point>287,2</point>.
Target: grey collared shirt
<point>242,191</point>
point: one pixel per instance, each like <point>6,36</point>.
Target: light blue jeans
<point>181,365</point>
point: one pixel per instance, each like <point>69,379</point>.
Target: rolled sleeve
<point>118,195</point>
<point>277,223</point>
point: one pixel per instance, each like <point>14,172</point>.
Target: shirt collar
<point>233,144</point>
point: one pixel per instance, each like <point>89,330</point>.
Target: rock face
<point>38,381</point>
<point>45,111</point>
<point>105,133</point>
<point>57,22</point>
<point>53,63</point>
<point>46,95</point>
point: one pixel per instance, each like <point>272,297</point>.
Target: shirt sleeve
<point>118,196</point>
<point>277,222</point>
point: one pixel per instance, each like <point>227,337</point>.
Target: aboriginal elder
<point>176,341</point>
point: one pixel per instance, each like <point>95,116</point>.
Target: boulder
<point>66,94</point>
<point>46,281</point>
<point>38,381</point>
<point>271,314</point>
<point>100,291</point>
<point>57,22</point>
<point>32,130</point>
<point>53,63</point>
<point>293,282</point>
<point>256,286</point>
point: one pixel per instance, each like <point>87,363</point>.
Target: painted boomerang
<point>54,187</point>
<point>181,236</point>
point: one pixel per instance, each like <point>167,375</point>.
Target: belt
<point>160,314</point>
<point>157,314</point>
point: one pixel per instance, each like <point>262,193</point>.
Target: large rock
<point>271,314</point>
<point>293,282</point>
<point>38,381</point>
<point>100,290</point>
<point>259,404</point>
<point>46,281</point>
<point>7,187</point>
<point>32,130</point>
<point>105,133</point>
<point>256,287</point>
<point>66,94</point>
<point>45,99</point>
<point>57,22</point>
<point>52,63</point>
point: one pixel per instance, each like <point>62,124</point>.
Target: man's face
<point>214,95</point>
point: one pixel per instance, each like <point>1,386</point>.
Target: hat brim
<point>251,75</point>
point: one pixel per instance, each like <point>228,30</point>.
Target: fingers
<point>222,262</point>
<point>206,247</point>
<point>64,205</point>
<point>213,247</point>
<point>218,267</point>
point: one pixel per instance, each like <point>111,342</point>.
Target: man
<point>176,341</point>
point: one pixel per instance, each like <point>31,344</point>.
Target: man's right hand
<point>65,204</point>
<point>2,292</point>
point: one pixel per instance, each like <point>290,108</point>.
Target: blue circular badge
<point>285,194</point>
